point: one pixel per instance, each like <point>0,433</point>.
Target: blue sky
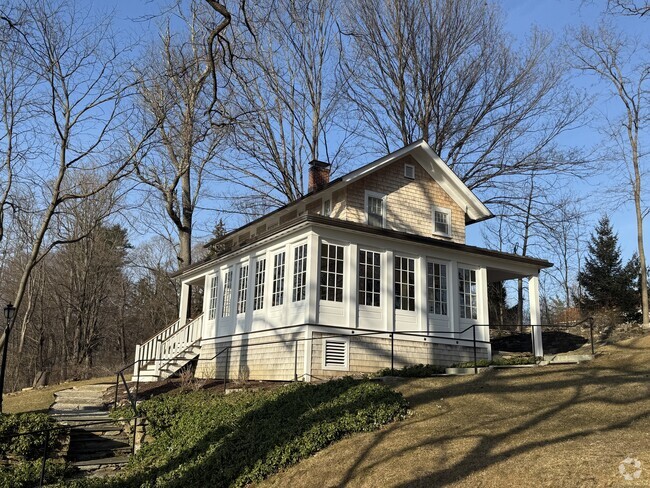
<point>521,15</point>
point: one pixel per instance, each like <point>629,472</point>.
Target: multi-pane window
<point>242,290</point>
<point>369,278</point>
<point>258,292</point>
<point>212,307</point>
<point>441,221</point>
<point>331,272</point>
<point>404,283</point>
<point>375,209</point>
<point>467,290</point>
<point>277,297</point>
<point>437,288</point>
<point>227,294</point>
<point>300,273</point>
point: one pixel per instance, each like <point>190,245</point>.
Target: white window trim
<point>447,265</point>
<point>344,367</point>
<point>243,291</point>
<point>446,211</point>
<point>225,314</point>
<point>476,269</point>
<point>380,196</point>
<point>381,278</point>
<point>415,281</point>
<point>292,287</point>
<point>343,276</point>
<point>405,171</point>
<point>213,296</point>
<point>283,291</point>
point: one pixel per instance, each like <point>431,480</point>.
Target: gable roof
<point>475,210</point>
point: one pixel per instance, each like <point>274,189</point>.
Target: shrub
<point>417,371</point>
<point>27,474</point>
<point>208,439</point>
<point>30,446</point>
<point>498,361</point>
<point>25,450</point>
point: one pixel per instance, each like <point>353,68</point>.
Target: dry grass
<point>39,400</point>
<point>561,426</point>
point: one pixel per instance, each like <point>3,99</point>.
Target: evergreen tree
<point>605,282</point>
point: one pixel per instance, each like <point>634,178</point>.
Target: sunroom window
<point>437,288</point>
<point>404,283</point>
<point>331,272</point>
<point>300,273</point>
<point>467,291</point>
<point>260,275</point>
<point>212,307</point>
<point>227,294</point>
<point>369,278</point>
<point>278,280</point>
<point>242,291</point>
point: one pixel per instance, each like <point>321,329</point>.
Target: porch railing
<point>168,344</point>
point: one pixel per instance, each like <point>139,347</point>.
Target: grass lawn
<point>559,426</point>
<point>39,400</point>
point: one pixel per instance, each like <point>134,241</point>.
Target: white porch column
<point>184,301</point>
<point>535,317</point>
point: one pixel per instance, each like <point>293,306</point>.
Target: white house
<point>366,269</point>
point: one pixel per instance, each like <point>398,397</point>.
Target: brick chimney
<point>319,175</point>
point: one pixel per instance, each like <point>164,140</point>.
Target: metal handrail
<point>61,428</point>
<point>426,335</point>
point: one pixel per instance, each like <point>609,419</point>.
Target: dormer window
<point>441,221</point>
<point>375,209</point>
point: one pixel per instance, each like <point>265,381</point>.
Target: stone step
<point>79,414</point>
<point>98,453</point>
<point>73,392</point>
<point>97,463</point>
<point>85,400</point>
<point>91,447</point>
<point>567,358</point>
<point>97,386</point>
<point>109,429</point>
<point>58,411</point>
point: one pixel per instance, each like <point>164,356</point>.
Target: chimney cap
<point>318,164</point>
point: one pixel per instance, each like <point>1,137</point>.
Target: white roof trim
<point>438,170</point>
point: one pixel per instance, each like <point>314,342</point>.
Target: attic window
<point>375,209</point>
<point>335,353</point>
<point>327,208</point>
<point>409,171</point>
<point>441,221</point>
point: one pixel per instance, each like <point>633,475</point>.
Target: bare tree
<point>80,86</point>
<point>290,100</point>
<point>447,72</point>
<point>16,86</point>
<point>628,7</point>
<point>615,59</point>
<point>174,99</point>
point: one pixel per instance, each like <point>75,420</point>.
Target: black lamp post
<point>10,311</point>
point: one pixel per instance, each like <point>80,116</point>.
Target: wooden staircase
<point>167,352</point>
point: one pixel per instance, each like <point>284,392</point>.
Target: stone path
<point>95,444</point>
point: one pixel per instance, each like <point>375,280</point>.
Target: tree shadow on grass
<point>584,389</point>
